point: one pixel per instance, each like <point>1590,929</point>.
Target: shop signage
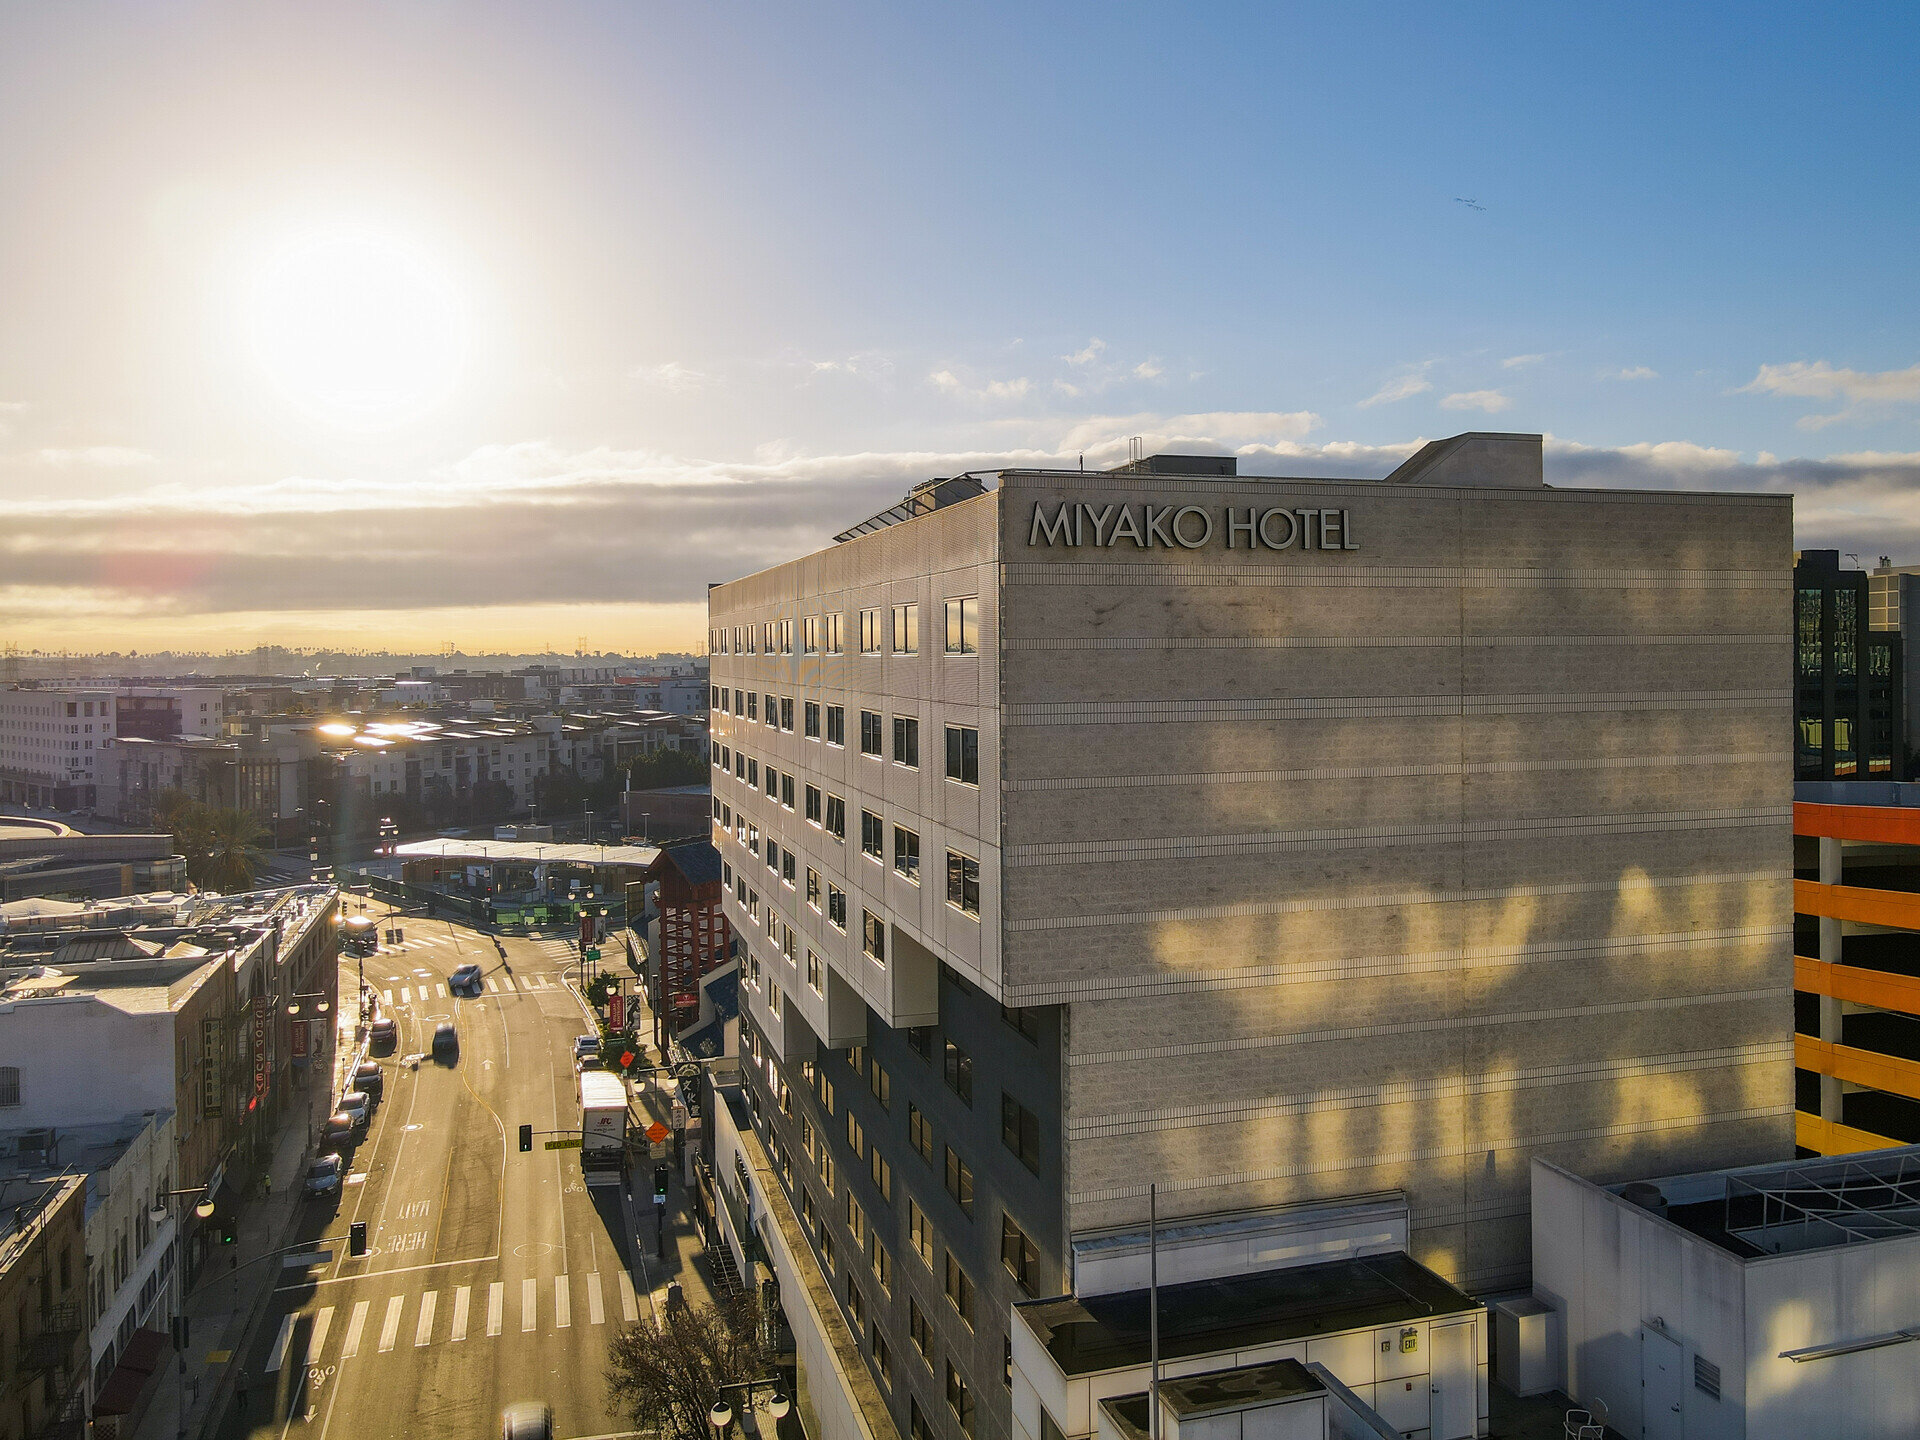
<point>1191,527</point>
<point>261,1066</point>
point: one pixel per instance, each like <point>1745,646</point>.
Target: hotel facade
<point>1294,847</point>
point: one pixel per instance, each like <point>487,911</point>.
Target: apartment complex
<point>1270,842</point>
<point>1848,676</point>
<point>51,746</point>
<point>43,1279</point>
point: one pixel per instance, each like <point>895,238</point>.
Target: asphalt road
<point>492,1276</point>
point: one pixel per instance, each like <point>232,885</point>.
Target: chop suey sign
<point>1191,527</point>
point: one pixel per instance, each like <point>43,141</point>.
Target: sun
<point>357,328</point>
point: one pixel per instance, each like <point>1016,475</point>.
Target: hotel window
<point>870,634</point>
<point>836,725</point>
<point>873,936</point>
<point>815,982</point>
<point>811,716</point>
<point>882,1261</point>
<point>963,755</point>
<point>814,805</point>
<point>836,825</point>
<point>958,1072</point>
<point>753,771</point>
<point>813,887</point>
<point>753,840</point>
<point>856,1304</point>
<point>921,1230</point>
<point>786,876</point>
<point>963,882</point>
<point>786,791</point>
<point>872,835</point>
<point>1019,1255</point>
<point>1020,1131</point>
<point>880,1083</point>
<point>922,1335</point>
<point>871,732</point>
<point>963,626</point>
<point>786,713</point>
<point>1024,1018</point>
<point>773,856</point>
<point>810,635</point>
<point>882,1173</point>
<point>906,853</point>
<point>959,1181</point>
<point>830,625</point>
<point>959,1395</point>
<point>920,1132</point>
<point>856,1142</point>
<point>959,1290</point>
<point>753,706</point>
<point>773,782</point>
<point>786,637</point>
<point>836,907</point>
<point>906,742</point>
<point>773,712</point>
<point>920,1040</point>
<point>906,629</point>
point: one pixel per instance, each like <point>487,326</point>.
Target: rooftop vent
<point>1213,465</point>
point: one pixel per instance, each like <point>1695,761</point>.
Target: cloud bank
<point>535,524</point>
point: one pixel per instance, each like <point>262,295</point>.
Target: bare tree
<point>666,1375</point>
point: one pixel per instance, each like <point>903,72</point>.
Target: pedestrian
<point>240,1392</point>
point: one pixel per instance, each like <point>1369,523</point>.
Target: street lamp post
<point>202,1210</point>
<point>720,1415</point>
<point>321,1006</point>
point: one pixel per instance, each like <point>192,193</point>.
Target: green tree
<point>665,1375</point>
<point>233,857</point>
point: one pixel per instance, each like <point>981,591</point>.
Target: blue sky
<point>737,273</point>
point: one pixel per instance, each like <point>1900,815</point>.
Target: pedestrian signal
<point>526,1137</point>
<point>357,1238</point>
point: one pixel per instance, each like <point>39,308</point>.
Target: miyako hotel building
<point>1316,852</point>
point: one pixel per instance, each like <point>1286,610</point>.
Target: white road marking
<point>350,1347</point>
<point>629,1302</point>
<point>494,986</point>
<point>596,1312</point>
<point>423,1332</point>
<point>529,1305</point>
<point>389,995</point>
<point>319,1336</point>
<point>460,1298</point>
<point>440,992</point>
<point>279,1355</point>
<point>562,1304</point>
<point>390,1327</point>
<point>495,1294</point>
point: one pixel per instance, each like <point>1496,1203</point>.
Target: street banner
<point>299,1038</point>
<point>617,1011</point>
<point>262,1066</point>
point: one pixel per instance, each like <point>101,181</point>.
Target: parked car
<point>359,1105</point>
<point>323,1177</point>
<point>446,1041</point>
<point>585,1045</point>
<point>584,1063</point>
<point>384,1034</point>
<point>528,1420</point>
<point>370,1079</point>
<point>342,1133</point>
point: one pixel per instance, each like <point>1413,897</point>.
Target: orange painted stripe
<point>1826,1137</point>
<point>1883,824</point>
<point>1863,987</point>
<point>1899,909</point>
<point>1888,1073</point>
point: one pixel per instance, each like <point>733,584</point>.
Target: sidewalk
<point>194,1390</point>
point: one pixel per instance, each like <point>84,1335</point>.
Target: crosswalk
<point>493,985</point>
<point>543,1304</point>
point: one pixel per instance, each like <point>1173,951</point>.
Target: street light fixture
<point>720,1416</point>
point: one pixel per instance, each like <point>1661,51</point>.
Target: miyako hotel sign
<point>1192,527</point>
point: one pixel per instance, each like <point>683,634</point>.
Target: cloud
<point>1865,391</point>
<point>1402,388</point>
<point>1149,370</point>
<point>1491,401</point>
<point>1634,372</point>
<point>1088,354</point>
<point>1217,432</point>
<point>9,409</point>
<point>1520,362</point>
<point>948,383</point>
<point>673,376</point>
<point>95,457</point>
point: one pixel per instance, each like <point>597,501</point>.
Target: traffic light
<point>227,1236</point>
<point>526,1137</point>
<point>357,1238</point>
<point>660,1174</point>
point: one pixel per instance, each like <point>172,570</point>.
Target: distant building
<point>1848,677</point>
<point>45,858</point>
<point>158,712</point>
<point>51,743</point>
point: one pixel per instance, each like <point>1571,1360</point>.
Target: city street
<point>492,1275</point>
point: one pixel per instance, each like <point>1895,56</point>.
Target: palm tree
<point>233,856</point>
